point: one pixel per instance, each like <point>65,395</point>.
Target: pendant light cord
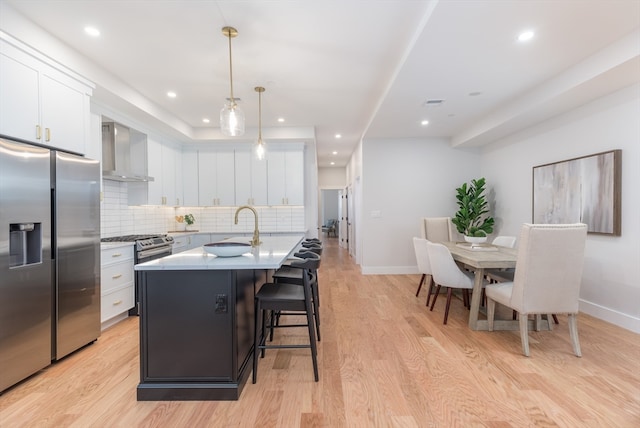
<point>230,68</point>
<point>260,116</point>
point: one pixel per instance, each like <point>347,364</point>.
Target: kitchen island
<point>196,320</point>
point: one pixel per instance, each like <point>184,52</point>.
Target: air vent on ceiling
<point>432,103</point>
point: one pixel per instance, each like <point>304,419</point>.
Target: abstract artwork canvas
<point>584,190</point>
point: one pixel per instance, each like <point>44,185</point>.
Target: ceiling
<point>361,69</point>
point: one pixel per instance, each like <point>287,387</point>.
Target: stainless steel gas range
<point>147,247</point>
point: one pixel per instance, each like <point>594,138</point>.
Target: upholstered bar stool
<point>286,297</point>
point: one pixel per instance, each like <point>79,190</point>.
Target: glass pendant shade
<point>231,120</point>
<point>260,149</point>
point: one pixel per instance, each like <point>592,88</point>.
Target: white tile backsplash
<point>118,218</point>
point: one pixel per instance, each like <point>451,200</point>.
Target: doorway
<point>329,212</point>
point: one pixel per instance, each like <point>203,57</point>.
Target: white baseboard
<point>614,317</point>
<point>112,321</point>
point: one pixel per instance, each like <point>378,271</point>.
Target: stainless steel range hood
<point>121,146</point>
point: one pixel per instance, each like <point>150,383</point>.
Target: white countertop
<point>271,253</point>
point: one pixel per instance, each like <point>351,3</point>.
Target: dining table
<point>479,258</point>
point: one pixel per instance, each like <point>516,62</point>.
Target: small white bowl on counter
<point>227,249</point>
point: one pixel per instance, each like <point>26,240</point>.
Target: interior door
<point>344,219</point>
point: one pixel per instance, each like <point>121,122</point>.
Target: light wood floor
<point>385,361</point>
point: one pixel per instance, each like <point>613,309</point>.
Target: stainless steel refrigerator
<point>49,257</point>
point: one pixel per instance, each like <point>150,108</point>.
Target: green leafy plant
<point>471,218</point>
<point>189,219</point>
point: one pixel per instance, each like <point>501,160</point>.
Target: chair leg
<point>316,310</point>
<point>491,312</point>
<point>274,321</point>
<point>573,332</point>
<point>312,339</point>
<point>420,285</point>
<point>430,288</point>
<point>549,322</point>
<point>263,329</point>
<point>256,340</point>
<point>524,334</point>
<point>446,309</point>
<point>555,319</point>
<point>435,296</point>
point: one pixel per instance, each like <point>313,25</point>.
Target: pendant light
<point>260,146</point>
<point>231,116</point>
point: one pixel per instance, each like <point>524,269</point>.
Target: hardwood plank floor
<point>385,361</point>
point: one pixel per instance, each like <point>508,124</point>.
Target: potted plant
<point>189,219</point>
<point>472,218</point>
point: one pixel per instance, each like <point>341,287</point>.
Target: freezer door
<point>77,238</point>
<point>25,261</point>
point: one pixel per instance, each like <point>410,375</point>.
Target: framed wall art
<point>580,190</point>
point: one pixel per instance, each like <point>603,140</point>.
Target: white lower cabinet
<point>180,243</point>
<point>117,283</point>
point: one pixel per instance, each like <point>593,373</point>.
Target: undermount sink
<point>227,249</point>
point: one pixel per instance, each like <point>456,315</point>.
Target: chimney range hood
<point>124,153</point>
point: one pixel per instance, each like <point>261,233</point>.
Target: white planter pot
<point>475,239</point>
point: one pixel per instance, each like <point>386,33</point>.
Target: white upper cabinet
<point>190,177</point>
<point>251,177</point>
<point>164,165</point>
<point>171,175</point>
<point>155,194</point>
<point>40,103</point>
<point>216,177</point>
<point>285,176</point>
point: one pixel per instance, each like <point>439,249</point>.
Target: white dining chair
<point>446,273</point>
<point>436,229</point>
<point>547,277</point>
<point>424,266</point>
<point>504,241</point>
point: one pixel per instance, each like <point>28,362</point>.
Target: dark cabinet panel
<point>188,331</point>
<point>196,333</point>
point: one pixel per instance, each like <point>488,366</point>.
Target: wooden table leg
<point>475,299</point>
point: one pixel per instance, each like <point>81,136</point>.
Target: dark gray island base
<point>196,321</point>
<point>196,333</point>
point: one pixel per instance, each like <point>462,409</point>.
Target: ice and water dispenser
<point>25,244</point>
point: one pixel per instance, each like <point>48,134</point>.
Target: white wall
<point>332,178</point>
<point>403,180</point>
<point>610,285</point>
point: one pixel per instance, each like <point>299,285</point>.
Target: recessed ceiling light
<point>333,163</point>
<point>206,120</point>
<point>424,123</point>
<point>334,153</point>
<point>281,119</point>
<point>92,31</point>
<point>338,136</point>
<point>525,36</point>
<point>171,94</point>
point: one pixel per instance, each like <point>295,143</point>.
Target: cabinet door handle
<point>164,200</point>
<point>116,255</point>
<point>117,302</point>
<point>38,132</point>
<point>47,134</point>
<point>116,276</point>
